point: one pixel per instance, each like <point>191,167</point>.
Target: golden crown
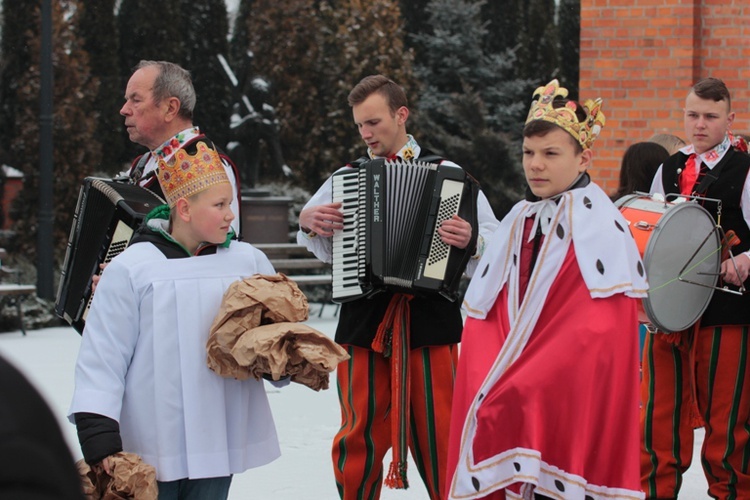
<point>185,174</point>
<point>585,132</point>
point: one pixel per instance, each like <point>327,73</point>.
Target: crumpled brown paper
<point>131,478</point>
<point>258,300</point>
<point>293,349</point>
<point>257,332</point>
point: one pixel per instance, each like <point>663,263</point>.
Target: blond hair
<point>670,142</point>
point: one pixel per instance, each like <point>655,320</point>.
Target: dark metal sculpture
<point>253,121</point>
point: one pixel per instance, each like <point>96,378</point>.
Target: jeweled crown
<point>186,174</point>
<point>585,132</point>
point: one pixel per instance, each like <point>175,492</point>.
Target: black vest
<point>434,320</point>
<point>724,308</point>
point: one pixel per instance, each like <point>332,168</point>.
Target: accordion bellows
<point>392,209</point>
<point>106,216</point>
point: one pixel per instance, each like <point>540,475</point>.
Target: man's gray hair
<point>172,81</point>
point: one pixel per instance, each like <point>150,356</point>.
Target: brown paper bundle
<point>249,303</point>
<point>289,349</point>
<point>131,478</point>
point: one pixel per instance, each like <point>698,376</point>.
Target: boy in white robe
<point>142,384</point>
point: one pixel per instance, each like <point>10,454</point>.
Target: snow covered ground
<point>306,422</point>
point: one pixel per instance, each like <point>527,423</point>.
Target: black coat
<point>35,462</point>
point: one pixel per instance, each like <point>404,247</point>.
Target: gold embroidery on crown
<point>185,175</point>
<point>584,132</point>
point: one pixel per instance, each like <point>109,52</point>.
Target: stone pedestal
<point>265,218</point>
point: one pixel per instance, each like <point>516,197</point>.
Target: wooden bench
<point>14,293</point>
<point>292,260</point>
<point>299,264</point>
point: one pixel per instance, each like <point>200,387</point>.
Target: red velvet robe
<point>562,419</point>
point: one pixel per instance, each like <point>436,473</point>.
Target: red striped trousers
<point>361,444</point>
<point>708,374</point>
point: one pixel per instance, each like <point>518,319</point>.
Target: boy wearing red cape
<point>546,396</point>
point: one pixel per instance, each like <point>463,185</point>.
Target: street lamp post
<point>45,220</point>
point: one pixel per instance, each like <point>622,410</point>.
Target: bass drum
<point>681,251</point>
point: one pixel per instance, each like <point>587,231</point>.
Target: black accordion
<point>106,216</point>
<point>392,209</point>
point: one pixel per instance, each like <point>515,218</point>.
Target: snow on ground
<point>306,422</point>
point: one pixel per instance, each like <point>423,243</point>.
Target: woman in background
<point>638,167</point>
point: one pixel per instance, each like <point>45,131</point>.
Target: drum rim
<point>671,210</point>
<point>620,203</point>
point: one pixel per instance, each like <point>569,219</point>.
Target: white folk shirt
<point>142,362</point>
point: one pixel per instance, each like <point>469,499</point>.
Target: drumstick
<point>730,240</point>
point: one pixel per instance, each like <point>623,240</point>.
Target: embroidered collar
<point>409,151</point>
<point>712,156</point>
<point>167,149</point>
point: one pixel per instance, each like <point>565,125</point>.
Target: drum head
<point>685,237</point>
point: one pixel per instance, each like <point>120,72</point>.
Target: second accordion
<point>107,214</point>
<point>392,209</point>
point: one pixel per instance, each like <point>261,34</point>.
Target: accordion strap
<point>136,172</point>
<point>429,158</point>
<point>392,341</point>
<point>359,162</point>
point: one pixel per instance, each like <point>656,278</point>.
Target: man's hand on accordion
<point>95,278</point>
<point>455,231</point>
<point>322,220</point>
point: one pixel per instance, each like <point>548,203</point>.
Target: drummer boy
<point>700,377</point>
<point>546,394</point>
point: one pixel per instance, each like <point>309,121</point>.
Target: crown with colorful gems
<point>185,175</point>
<point>584,132</point>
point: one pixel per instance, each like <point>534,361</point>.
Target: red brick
<point>648,53</point>
<point>619,42</point>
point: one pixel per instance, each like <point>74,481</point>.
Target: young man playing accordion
<point>371,420</point>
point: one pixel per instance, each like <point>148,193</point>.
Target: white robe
<point>142,362</point>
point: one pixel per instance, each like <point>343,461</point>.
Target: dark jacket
<point>35,462</point>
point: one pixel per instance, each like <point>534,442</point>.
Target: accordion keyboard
<point>346,257</point>
<point>389,242</point>
<point>107,213</point>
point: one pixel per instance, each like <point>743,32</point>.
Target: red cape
<point>571,398</point>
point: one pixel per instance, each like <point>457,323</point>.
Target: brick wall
<point>642,56</point>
